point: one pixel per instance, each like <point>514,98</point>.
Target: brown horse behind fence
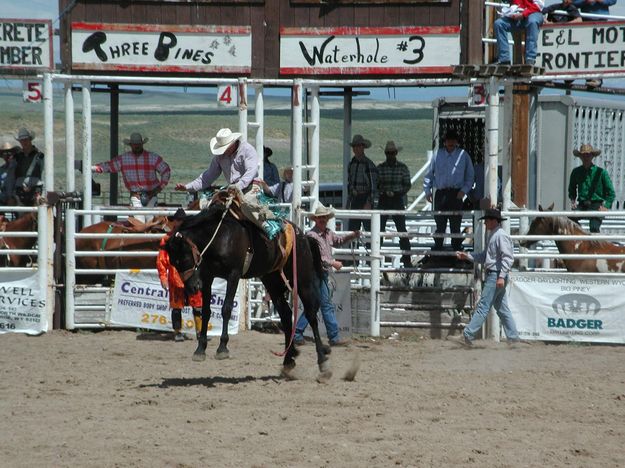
<point>159,225</point>
<point>28,222</point>
<point>561,225</point>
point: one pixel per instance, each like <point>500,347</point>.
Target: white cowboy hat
<point>586,149</point>
<point>225,137</point>
<point>322,211</point>
<point>25,134</point>
<point>7,147</point>
<point>135,139</point>
<point>360,140</point>
<point>391,148</point>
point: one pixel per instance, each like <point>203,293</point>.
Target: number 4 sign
<point>227,96</point>
<point>32,91</point>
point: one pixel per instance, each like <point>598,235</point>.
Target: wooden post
<point>520,143</point>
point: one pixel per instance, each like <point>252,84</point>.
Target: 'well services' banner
<point>140,301</point>
<point>562,307</point>
<point>22,306</point>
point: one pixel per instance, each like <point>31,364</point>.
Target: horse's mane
<point>206,215</point>
<point>564,224</point>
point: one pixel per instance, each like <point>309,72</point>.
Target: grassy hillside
<point>180,125</point>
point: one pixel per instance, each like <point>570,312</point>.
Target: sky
<point>48,9</point>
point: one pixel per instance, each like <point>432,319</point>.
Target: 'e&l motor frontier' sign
<point>26,44</point>
<point>162,48</point>
<point>581,48</point>
<point>370,50</point>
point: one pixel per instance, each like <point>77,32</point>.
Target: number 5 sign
<point>227,96</point>
<point>31,91</point>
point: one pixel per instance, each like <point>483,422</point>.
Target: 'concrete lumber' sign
<point>577,48</point>
<point>370,50</point>
<point>162,48</point>
<point>25,45</point>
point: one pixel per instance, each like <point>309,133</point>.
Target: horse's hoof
<point>222,355</point>
<point>199,357</point>
<point>324,377</point>
<point>326,349</point>
<point>324,366</point>
<point>288,373</point>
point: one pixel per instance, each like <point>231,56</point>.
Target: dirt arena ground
<point>115,398</point>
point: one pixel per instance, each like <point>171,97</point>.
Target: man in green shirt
<point>590,187</point>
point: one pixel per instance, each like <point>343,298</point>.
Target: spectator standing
<point>29,170</point>
<point>497,259</point>
<point>590,187</point>
<point>270,171</point>
<point>283,190</point>
<point>393,185</point>
<point>362,182</point>
<point>520,15</point>
<point>326,239</point>
<point>140,171</point>
<point>7,173</point>
<point>451,176</point>
<point>172,282</point>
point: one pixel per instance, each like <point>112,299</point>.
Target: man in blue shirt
<point>451,176</point>
<point>595,7</point>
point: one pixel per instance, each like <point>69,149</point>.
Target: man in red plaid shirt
<point>139,169</point>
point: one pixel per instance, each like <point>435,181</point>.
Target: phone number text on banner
<point>562,307</point>
<point>140,301</point>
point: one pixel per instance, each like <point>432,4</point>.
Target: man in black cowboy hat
<point>497,259</point>
<point>270,171</point>
<point>451,175</point>
<point>590,187</point>
<point>140,171</point>
<point>29,168</point>
<point>393,185</point>
<point>362,182</point>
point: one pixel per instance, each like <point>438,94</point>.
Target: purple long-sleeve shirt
<point>239,169</point>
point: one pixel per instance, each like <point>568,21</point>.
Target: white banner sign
<point>576,48</point>
<point>387,51</point>
<point>162,48</point>
<point>140,301</point>
<point>22,305</point>
<point>26,44</point>
<point>556,307</point>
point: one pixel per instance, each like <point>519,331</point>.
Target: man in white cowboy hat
<point>497,259</point>
<point>140,171</point>
<point>237,160</point>
<point>7,172</point>
<point>362,181</point>
<point>327,239</point>
<point>29,168</point>
<point>451,175</point>
<point>590,187</point>
<point>393,185</point>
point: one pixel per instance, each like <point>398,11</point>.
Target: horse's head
<point>184,256</point>
<point>541,225</point>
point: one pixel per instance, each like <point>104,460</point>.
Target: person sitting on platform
<point>520,15</point>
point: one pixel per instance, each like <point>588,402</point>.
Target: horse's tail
<point>316,255</point>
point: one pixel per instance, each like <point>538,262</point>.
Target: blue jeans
<point>492,296</point>
<point>327,312</point>
<point>531,25</point>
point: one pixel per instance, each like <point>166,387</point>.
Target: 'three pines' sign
<point>582,48</point>
<point>162,48</point>
<point>26,44</point>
